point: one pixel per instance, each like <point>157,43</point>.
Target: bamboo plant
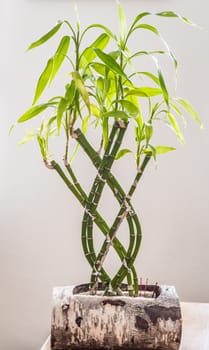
<point>103,94</point>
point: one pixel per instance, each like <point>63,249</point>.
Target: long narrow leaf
<point>163,149</point>
<point>46,36</point>
<point>150,75</point>
<point>43,80</point>
<point>175,127</point>
<point>32,112</point>
<point>144,91</point>
<point>122,23</point>
<point>190,109</point>
<point>110,63</point>
<point>175,15</point>
<point>148,27</point>
<point>60,55</point>
<point>139,17</point>
<point>101,26</point>
<point>162,82</point>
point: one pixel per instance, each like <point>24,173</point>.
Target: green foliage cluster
<point>102,91</point>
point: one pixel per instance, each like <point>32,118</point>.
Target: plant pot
<point>83,321</point>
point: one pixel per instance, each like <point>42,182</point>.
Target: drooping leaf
<point>144,91</point>
<point>60,55</point>
<point>110,63</point>
<point>32,112</point>
<point>122,153</point>
<point>174,14</point>
<point>139,17</point>
<point>82,89</point>
<point>104,28</point>
<point>190,109</point>
<point>151,76</point>
<point>162,82</point>
<point>163,149</point>
<point>178,111</point>
<point>46,36</point>
<point>27,138</point>
<point>148,27</point>
<point>89,54</point>
<point>11,129</point>
<point>175,127</point>
<point>43,80</point>
<point>60,111</point>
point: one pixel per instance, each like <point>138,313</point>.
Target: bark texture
<point>81,321</point>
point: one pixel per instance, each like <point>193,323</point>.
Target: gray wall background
<point>39,219</point>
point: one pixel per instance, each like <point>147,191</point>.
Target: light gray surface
<point>39,219</point>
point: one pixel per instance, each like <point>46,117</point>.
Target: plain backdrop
<point>40,220</point>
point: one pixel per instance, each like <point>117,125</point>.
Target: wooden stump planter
<point>83,321</point>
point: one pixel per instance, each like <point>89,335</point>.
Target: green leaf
<point>148,131</point>
<point>148,27</point>
<point>110,63</point>
<point>60,110</point>
<point>162,83</point>
<point>190,109</point>
<point>82,89</point>
<point>101,26</point>
<point>70,92</point>
<point>174,14</point>
<point>116,114</point>
<point>151,76</point>
<point>150,150</point>
<point>139,17</point>
<point>100,68</point>
<point>60,55</point>
<point>32,112</point>
<point>130,107</point>
<point>122,153</point>
<point>122,23</point>
<point>46,36</point>
<point>11,129</point>
<point>175,127</point>
<point>95,110</point>
<point>43,80</point>
<point>89,54</point>
<point>163,149</point>
<point>27,138</point>
<point>85,124</point>
<point>144,91</point>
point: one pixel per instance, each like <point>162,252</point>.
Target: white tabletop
<point>195,327</point>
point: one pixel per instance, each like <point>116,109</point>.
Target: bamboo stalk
<point>118,193</point>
